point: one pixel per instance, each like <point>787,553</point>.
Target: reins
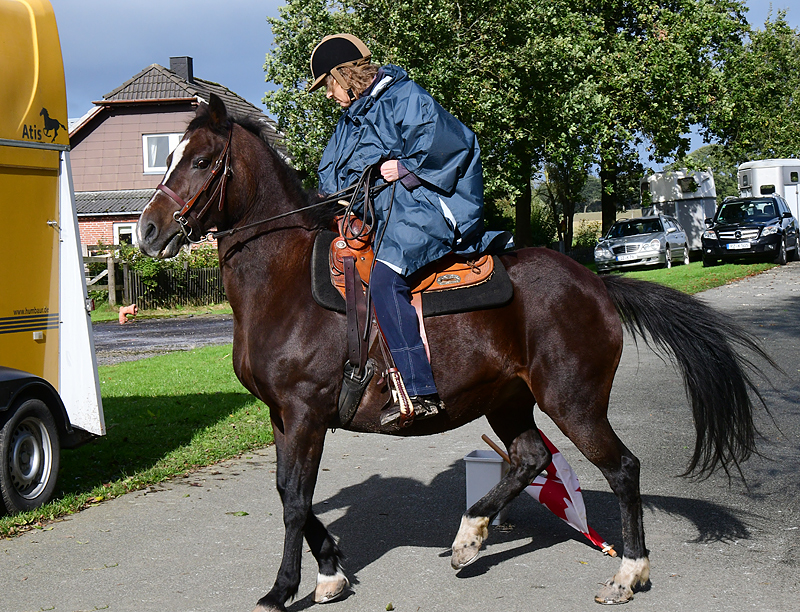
<point>189,225</point>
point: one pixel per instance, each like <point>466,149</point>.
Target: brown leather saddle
<point>450,272</point>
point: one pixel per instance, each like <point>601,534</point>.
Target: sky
<point>106,42</point>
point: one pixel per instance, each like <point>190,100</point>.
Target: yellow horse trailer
<point>49,389</point>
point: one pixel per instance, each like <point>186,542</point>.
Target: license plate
<point>627,257</point>
<point>738,245</point>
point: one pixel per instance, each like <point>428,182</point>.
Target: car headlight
<point>709,235</point>
<point>601,252</point>
<point>653,245</point>
<point>770,229</point>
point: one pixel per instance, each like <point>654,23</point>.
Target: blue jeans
<point>391,298</point>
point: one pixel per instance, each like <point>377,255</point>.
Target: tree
<point>653,75</point>
<point>757,114</point>
<point>565,82</point>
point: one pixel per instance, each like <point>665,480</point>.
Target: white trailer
<point>689,196</point>
<point>766,176</point>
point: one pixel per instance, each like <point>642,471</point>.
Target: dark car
<point>644,241</point>
<point>751,228</point>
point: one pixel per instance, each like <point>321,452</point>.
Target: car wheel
<point>795,254</point>
<point>780,259</point>
<point>685,255</point>
<point>29,457</point>
<point>709,261</point>
<point>668,258</point>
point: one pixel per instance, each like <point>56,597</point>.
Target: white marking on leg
<point>330,588</point>
<point>471,535</point>
<point>619,589</point>
<point>633,572</point>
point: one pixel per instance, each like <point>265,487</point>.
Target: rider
<point>437,210</point>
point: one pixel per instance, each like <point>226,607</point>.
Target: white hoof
<point>619,589</point>
<point>467,545</point>
<point>330,588</point>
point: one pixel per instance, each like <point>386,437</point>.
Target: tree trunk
<point>523,234</point>
<point>608,192</point>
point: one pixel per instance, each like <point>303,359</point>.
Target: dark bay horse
<point>557,343</point>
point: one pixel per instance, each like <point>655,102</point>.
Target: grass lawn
<point>165,416</point>
<point>695,278</point>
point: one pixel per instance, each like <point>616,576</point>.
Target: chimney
<point>182,66</point>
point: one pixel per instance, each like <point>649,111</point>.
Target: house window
<point>156,148</point>
<point>125,233</point>
<point>745,180</point>
<point>767,189</point>
<point>793,177</point>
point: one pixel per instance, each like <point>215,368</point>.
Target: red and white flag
<point>557,489</point>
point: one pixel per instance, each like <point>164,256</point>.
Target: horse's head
<point>189,200</point>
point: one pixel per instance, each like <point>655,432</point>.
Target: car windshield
<point>634,228</point>
<point>746,212</point>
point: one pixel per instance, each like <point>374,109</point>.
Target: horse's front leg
<point>529,456</point>
<point>299,450</point>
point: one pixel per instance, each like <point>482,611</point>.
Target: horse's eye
<point>202,163</point>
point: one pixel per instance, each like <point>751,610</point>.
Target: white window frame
<point>174,139</point>
<point>131,225</point>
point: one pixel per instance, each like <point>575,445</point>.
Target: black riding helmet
<point>332,53</point>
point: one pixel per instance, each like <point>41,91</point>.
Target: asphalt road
<point>115,343</point>
<point>395,505</point>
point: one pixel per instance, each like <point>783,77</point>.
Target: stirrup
<point>424,407</point>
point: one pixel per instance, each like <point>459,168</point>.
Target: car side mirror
<point>709,222</point>
<point>787,215</point>
<point>671,230</point>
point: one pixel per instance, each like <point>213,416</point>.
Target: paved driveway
<point>395,505</point>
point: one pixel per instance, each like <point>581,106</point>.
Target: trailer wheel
<point>30,454</point>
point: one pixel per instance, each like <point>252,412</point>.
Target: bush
<point>587,234</point>
<point>543,227</point>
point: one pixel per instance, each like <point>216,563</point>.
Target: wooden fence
<point>188,287</point>
<point>169,288</point>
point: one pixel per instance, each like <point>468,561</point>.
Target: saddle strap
<point>357,344</point>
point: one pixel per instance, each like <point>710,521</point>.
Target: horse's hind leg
<point>528,455</point>
<point>592,434</point>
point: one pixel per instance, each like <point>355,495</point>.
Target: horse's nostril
<point>150,232</point>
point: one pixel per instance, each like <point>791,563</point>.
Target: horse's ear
<point>217,111</point>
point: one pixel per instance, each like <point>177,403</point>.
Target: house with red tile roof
<point>120,147</point>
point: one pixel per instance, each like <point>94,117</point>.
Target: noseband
<point>191,224</point>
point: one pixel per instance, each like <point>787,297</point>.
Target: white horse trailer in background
<point>766,176</point>
<point>690,197</point>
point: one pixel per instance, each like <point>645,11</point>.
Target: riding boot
<point>391,297</point>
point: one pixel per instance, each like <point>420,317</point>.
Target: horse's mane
<point>320,217</point>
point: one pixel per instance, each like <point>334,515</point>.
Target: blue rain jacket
<point>398,119</point>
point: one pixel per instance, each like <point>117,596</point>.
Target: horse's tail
<point>716,375</point>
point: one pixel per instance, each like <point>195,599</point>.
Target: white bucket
<point>485,468</point>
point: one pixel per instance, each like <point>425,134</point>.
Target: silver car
<point>645,241</point>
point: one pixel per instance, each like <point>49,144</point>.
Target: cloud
<point>106,42</point>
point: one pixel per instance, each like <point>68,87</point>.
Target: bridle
<point>188,224</point>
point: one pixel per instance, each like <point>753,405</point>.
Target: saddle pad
<point>497,291</point>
